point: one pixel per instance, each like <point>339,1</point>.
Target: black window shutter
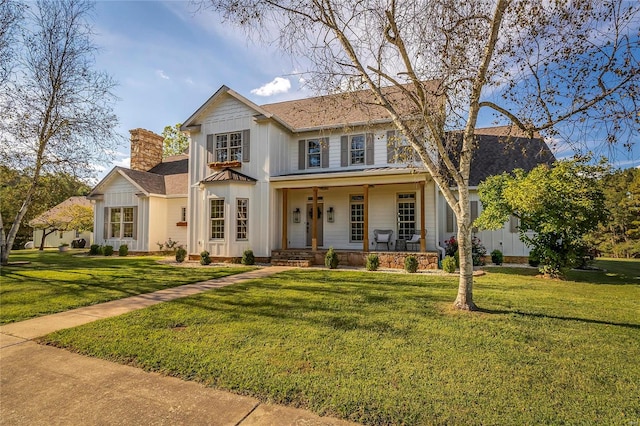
<point>450,221</point>
<point>324,152</point>
<point>368,154</point>
<point>474,213</point>
<point>302,148</point>
<point>246,145</point>
<point>344,151</point>
<point>135,223</point>
<point>106,223</point>
<point>210,153</point>
<point>514,224</point>
<point>391,146</point>
<point>474,210</point>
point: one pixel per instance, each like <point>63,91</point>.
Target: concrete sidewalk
<point>45,385</point>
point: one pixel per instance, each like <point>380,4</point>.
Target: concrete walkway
<point>43,385</point>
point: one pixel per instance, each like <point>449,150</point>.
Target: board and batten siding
<point>121,193</point>
<point>502,239</point>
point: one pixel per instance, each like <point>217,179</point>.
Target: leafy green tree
<point>620,235</point>
<point>560,204</point>
<point>176,141</point>
<point>64,218</point>
<point>56,109</point>
<point>52,189</point>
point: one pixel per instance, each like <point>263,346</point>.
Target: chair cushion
<point>383,238</point>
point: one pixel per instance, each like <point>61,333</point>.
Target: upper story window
<point>228,147</point>
<point>356,150</point>
<point>313,153</point>
<point>399,150</point>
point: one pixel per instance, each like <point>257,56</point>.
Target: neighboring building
<point>55,224</point>
<point>299,176</point>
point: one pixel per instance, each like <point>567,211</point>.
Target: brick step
<point>300,263</point>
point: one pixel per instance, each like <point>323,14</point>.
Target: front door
<point>309,217</point>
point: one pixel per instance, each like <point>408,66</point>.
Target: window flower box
<point>224,164</point>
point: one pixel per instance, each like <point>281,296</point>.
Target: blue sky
<point>169,60</point>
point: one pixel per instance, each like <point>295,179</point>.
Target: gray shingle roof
<point>168,178</point>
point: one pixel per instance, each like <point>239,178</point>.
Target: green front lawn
<point>382,348</point>
<point>55,282</point>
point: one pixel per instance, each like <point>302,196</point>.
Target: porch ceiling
<point>373,176</point>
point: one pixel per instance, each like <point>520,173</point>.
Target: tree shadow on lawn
<point>538,315</point>
<point>612,275</point>
<point>344,309</point>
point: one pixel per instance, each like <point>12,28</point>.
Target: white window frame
<point>228,147</point>
<point>406,232</point>
<point>121,223</point>
<point>242,219</point>
<point>356,201</point>
<point>218,219</point>
<point>314,154</point>
<point>353,151</point>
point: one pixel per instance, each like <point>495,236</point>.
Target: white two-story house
<point>301,176</point>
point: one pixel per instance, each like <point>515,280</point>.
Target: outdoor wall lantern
<point>330,216</point>
<point>296,215</point>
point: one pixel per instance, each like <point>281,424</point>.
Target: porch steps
<point>299,263</point>
<point>292,258</point>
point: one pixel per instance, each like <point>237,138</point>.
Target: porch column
<point>365,241</point>
<point>423,231</point>
<point>314,221</point>
<point>285,221</point>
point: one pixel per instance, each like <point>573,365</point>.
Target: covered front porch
<point>390,210</point>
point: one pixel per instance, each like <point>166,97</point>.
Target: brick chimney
<point>146,149</point>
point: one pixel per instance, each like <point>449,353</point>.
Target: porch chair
<point>382,236</point>
<point>414,240</point>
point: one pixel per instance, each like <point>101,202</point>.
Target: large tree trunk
<point>464,299</point>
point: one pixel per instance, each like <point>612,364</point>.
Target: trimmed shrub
<point>107,250</point>
<point>248,258</point>
<point>123,250</point>
<point>331,259</point>
<point>449,264</point>
<point>181,254</point>
<point>373,262</point>
<point>94,250</point>
<point>204,258</point>
<point>496,257</point>
<point>411,264</point>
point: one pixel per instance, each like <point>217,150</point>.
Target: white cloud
<point>161,74</point>
<point>125,162</point>
<point>278,85</point>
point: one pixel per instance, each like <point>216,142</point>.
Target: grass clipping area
<point>55,282</point>
<point>381,348</point>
